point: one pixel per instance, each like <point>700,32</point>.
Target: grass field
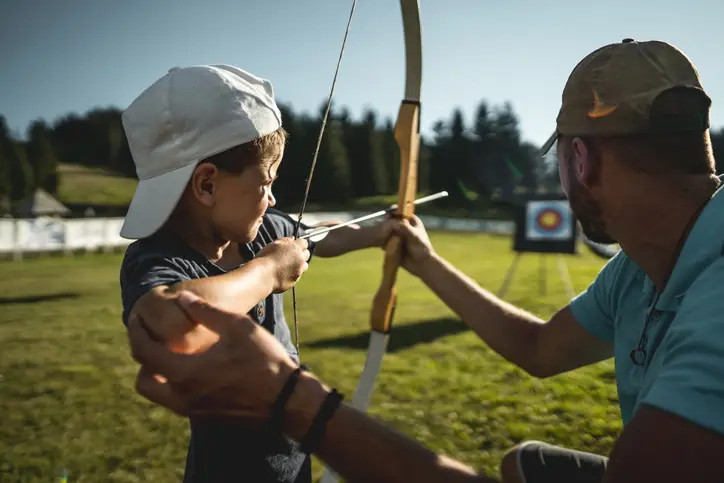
<point>80,184</point>
<point>66,379</point>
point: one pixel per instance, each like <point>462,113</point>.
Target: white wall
<point>44,235</point>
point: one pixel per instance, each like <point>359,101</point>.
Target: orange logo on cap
<point>599,110</point>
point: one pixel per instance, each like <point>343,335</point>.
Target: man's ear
<point>583,163</point>
<point>203,183</point>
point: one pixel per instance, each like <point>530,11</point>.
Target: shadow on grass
<point>402,336</point>
<point>29,299</point>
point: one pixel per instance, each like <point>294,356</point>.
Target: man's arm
<point>660,446</point>
<point>541,348</point>
<point>242,376</point>
<point>360,448</point>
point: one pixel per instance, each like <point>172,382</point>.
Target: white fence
<point>46,235</point>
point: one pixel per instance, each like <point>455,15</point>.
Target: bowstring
<point>314,164</point>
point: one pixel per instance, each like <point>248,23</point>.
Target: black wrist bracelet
<point>316,431</point>
<point>276,419</point>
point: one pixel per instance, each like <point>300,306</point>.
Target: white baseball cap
<point>189,114</point>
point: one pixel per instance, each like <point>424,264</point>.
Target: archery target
<point>548,220</point>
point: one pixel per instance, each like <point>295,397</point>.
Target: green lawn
<point>66,379</point>
<point>80,184</point>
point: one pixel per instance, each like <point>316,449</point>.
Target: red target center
<point>549,219</point>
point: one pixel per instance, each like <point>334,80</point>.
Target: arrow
<point>318,234</point>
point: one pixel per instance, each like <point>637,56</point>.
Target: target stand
<point>544,225</point>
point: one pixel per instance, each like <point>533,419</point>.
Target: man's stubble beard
<point>588,211</point>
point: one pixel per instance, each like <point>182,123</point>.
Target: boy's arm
<point>151,282</point>
<point>351,238</point>
<point>237,291</point>
<point>336,243</point>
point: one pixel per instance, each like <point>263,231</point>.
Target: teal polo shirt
<point>684,370</point>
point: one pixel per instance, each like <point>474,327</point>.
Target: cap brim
<point>548,144</point>
<point>154,201</point>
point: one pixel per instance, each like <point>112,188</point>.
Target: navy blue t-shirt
<point>221,451</point>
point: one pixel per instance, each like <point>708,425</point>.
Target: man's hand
<point>167,322</point>
<point>289,259</point>
<point>418,248</point>
<point>239,376</point>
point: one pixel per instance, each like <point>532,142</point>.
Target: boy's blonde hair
<point>264,151</point>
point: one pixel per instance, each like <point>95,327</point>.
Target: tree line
<point>480,165</point>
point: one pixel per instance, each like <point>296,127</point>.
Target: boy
<point>207,142</point>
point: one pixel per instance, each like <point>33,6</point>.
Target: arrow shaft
<point>324,231</point>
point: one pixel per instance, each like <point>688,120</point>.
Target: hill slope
<point>80,184</point>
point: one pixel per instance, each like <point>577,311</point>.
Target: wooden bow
<point>407,135</point>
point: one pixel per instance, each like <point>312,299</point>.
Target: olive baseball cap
<point>613,91</point>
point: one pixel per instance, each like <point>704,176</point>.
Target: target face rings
<point>548,220</point>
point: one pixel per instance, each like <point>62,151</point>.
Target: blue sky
<point>73,55</point>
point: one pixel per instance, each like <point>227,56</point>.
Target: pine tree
<point>4,182</point>
<point>391,157</point>
<point>376,175</point>
<point>21,173</point>
<point>42,158</point>
<point>18,172</point>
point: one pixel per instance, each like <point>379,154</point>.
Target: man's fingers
<point>214,318</point>
<point>142,344</point>
<point>150,387</point>
<point>149,353</point>
<point>199,309</point>
<point>202,312</point>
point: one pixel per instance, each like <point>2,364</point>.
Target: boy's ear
<point>203,183</point>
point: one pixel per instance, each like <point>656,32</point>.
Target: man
<point>635,161</point>
<point>636,164</point>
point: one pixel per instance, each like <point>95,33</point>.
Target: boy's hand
<point>383,230</point>
<point>289,261</point>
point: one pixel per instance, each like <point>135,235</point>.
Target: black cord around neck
<point>639,355</point>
